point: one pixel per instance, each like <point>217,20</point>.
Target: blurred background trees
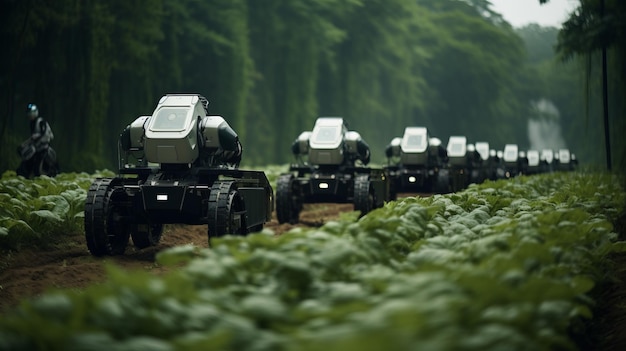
<point>271,67</point>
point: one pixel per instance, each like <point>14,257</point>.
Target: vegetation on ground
<point>501,265</point>
<point>42,211</point>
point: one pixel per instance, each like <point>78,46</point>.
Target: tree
<point>475,74</point>
<point>288,41</point>
<point>596,32</point>
<point>269,67</point>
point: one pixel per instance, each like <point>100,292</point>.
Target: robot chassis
<point>179,165</point>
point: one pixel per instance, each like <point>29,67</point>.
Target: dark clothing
<point>31,167</point>
<point>38,158</point>
<point>37,124</point>
<point>40,133</point>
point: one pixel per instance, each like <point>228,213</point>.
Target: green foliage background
<point>270,67</point>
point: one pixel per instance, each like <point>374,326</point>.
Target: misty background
<point>271,67</point>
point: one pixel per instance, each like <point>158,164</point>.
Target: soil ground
<point>29,273</point>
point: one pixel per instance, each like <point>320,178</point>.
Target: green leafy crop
<point>501,265</point>
<point>41,211</point>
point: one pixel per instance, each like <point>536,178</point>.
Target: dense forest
<point>271,67</point>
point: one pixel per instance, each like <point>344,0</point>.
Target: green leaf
<point>60,206</point>
<point>582,284</point>
<point>619,247</point>
<point>47,215</point>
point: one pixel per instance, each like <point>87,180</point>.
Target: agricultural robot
<point>464,163</point>
<point>534,162</point>
<point>546,158</point>
<point>416,163</point>
<point>330,169</point>
<point>178,165</point>
<point>563,160</point>
<point>488,164</point>
<point>515,162</point>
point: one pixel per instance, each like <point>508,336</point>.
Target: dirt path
<point>29,273</point>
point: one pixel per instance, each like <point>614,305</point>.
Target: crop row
<point>501,265</point>
<point>42,210</point>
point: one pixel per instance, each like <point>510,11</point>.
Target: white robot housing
<point>331,143</point>
<point>180,132</point>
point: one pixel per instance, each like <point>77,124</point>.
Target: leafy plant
<point>460,271</point>
<point>44,210</point>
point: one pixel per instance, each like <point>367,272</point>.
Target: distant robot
<point>416,163</point>
<point>534,162</point>
<point>330,168</point>
<point>514,165</point>
<point>464,163</point>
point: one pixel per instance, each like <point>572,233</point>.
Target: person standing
<point>37,156</point>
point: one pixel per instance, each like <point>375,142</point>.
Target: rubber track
<point>143,239</point>
<point>362,195</point>
<point>219,208</point>
<point>94,216</point>
<point>285,211</point>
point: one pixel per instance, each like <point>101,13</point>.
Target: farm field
<point>30,272</point>
<point>533,262</point>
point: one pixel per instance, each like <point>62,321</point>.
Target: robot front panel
<point>171,132</point>
<point>170,119</point>
<point>328,133</point>
<point>564,155</point>
<point>533,158</point>
<point>510,153</point>
<point>457,150</point>
<point>415,140</point>
<point>547,155</point>
<point>326,142</point>
<point>483,149</point>
<point>414,146</point>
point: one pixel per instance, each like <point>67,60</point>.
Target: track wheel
<point>227,213</point>
<point>288,202</point>
<point>442,182</point>
<point>364,199</point>
<point>146,235</point>
<point>106,218</point>
<point>393,189</point>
